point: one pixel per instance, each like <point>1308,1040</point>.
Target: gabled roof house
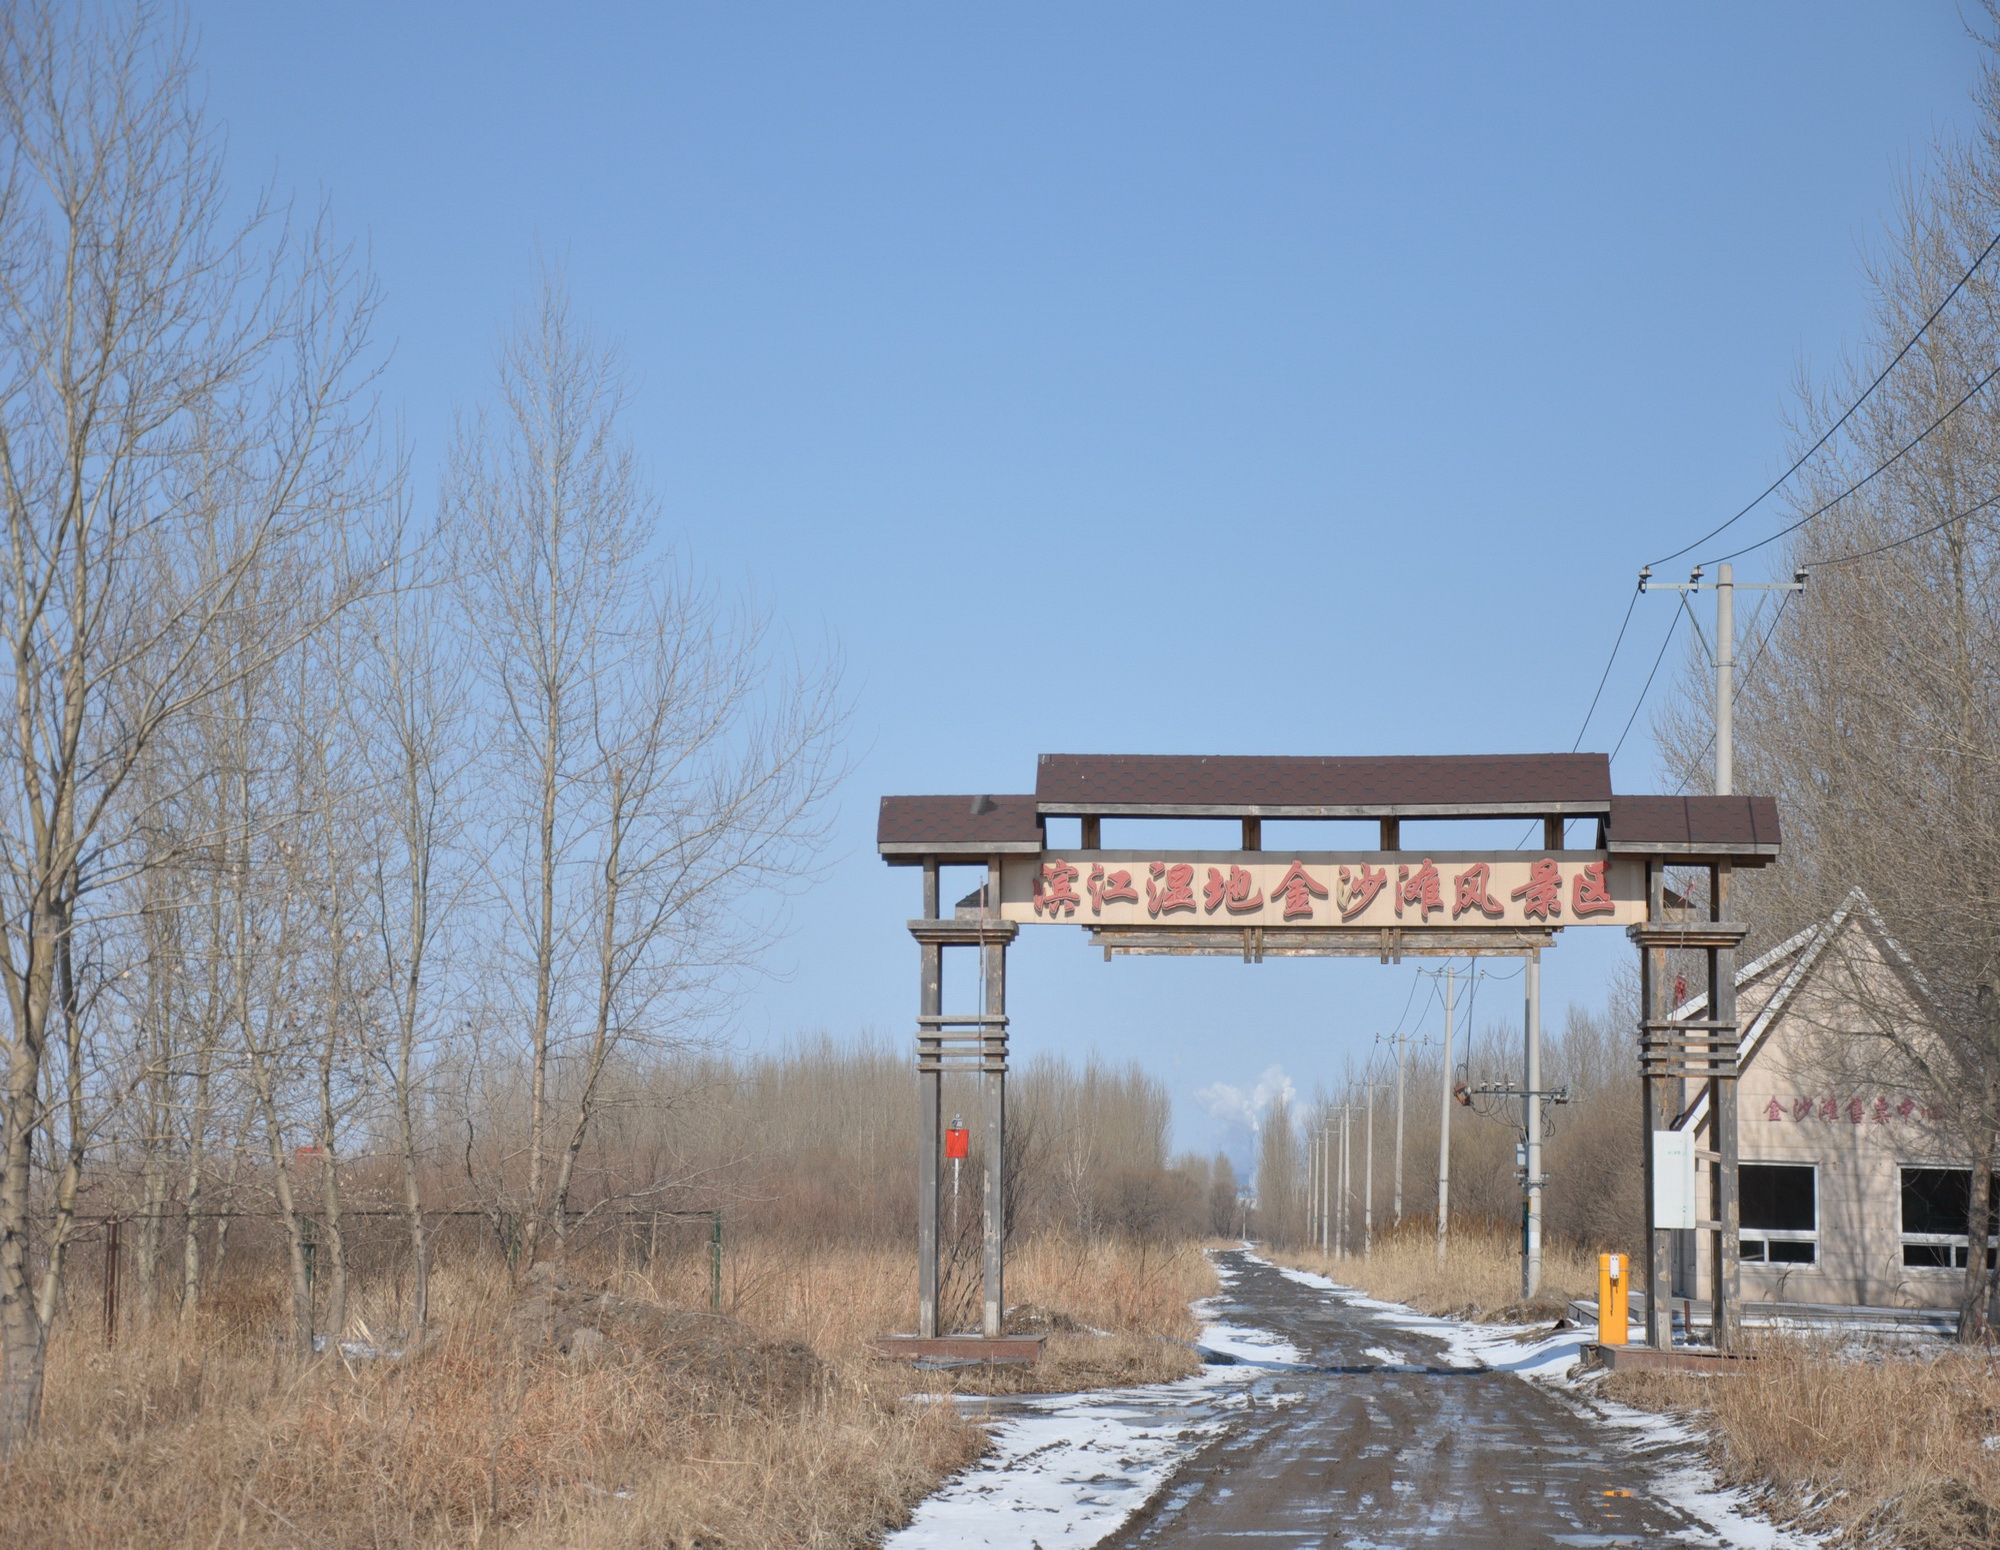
<point>1854,1191</point>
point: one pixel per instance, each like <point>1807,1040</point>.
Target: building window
<point>1936,1202</point>
<point>1780,1213</point>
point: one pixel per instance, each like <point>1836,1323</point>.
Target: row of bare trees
<point>320,797</point>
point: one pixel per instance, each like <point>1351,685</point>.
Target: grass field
<point>769,1425</point>
<point>1480,1277</point>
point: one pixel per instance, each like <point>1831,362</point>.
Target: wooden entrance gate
<point>1387,902</point>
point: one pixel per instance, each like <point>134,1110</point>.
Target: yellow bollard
<point>1613,1299</point>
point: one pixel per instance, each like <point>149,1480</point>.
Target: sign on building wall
<point>1266,888</point>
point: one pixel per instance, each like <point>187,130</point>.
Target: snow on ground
<point>1064,1470</point>
<point>1550,1359</point>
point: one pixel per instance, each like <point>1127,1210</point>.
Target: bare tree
<point>1281,1200</point>
<point>1871,707</point>
<point>665,771</point>
<point>176,413</point>
<point>419,744</point>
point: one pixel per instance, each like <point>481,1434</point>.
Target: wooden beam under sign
<point>1392,834</point>
<point>1552,832</point>
<point>1092,836</point>
<point>1253,834</point>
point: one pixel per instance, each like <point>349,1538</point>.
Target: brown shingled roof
<point>1226,785</point>
<point>948,826</point>
<point>1694,826</point>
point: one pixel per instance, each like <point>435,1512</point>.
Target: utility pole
<point>1531,1122</point>
<point>1397,1211</point>
<point>1318,1142</point>
<point>1663,1096</point>
<point>1444,1119</point>
<point>1325,1185</point>
<point>1723,652</point>
<point>1346,1116</point>
<point>1368,1177</point>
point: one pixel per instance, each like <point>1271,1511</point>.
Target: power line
<point>1605,676</point>
<point>1909,538</point>
<point>1406,1006</point>
<point>1881,467</point>
<point>1672,627</point>
<point>1833,429</point>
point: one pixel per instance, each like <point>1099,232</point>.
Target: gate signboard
<point>1234,889</point>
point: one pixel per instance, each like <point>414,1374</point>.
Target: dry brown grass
<point>1882,1452</point>
<point>1135,1293</point>
<point>210,1434</point>
<point>1480,1279</point>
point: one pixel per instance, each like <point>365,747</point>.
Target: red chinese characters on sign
<point>1590,891</point>
<point>1472,890</point>
<point>1169,888</point>
<point>1110,888</point>
<point>1238,891</point>
<point>1423,888</point>
<point>1541,895</point>
<point>1298,888</point>
<point>1855,1111</point>
<point>1416,892</point>
<point>1054,892</point>
<point>1358,889</point>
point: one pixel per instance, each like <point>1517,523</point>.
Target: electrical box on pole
<point>1673,1180</point>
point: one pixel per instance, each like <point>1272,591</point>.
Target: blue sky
<point>1253,378</point>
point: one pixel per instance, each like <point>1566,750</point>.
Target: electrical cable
<point>1415,980</point>
<point>1605,677</point>
<point>1908,538</point>
<point>1833,429</point>
<point>1672,629</point>
<point>1882,467</point>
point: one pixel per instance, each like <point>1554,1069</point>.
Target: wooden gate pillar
<point>930,1106</point>
<point>972,1042</point>
<point>1673,1052</point>
<point>1726,1277</point>
<point>993,1081</point>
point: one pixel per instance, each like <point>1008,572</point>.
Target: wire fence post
<point>715,1261</point>
<point>111,1247</point>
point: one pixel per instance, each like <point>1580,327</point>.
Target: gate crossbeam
<point>1256,943</point>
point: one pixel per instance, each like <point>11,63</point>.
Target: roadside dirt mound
<point>1029,1318</point>
<point>706,1350</point>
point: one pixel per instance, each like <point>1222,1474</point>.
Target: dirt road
<point>1378,1440</point>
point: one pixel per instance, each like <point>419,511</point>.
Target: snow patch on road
<point>1243,1346</point>
<point>1064,1470</point>
<point>1070,1469</point>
